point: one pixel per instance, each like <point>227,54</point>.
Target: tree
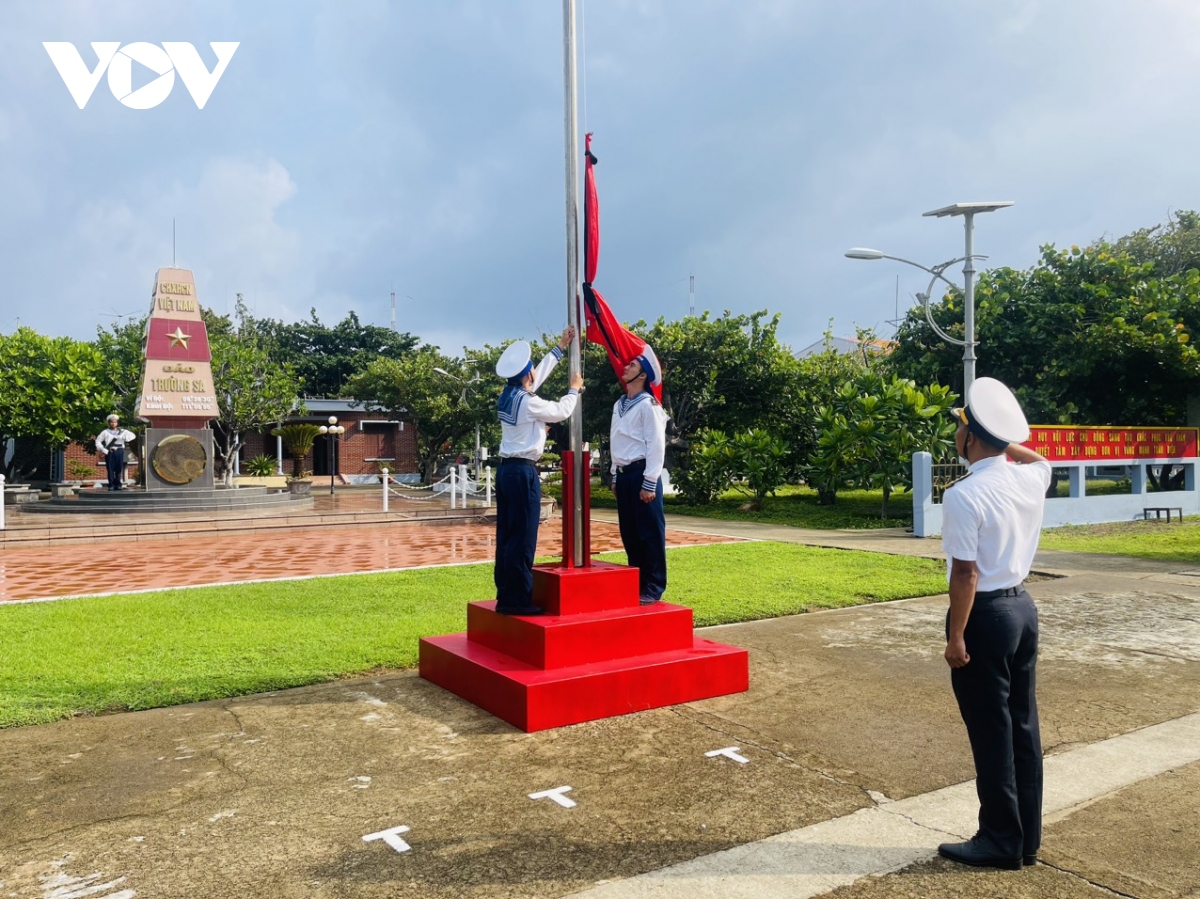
<point>870,430</point>
<point>297,439</point>
<point>727,374</point>
<point>123,347</point>
<point>253,389</point>
<point>1172,247</point>
<point>407,386</point>
<point>1087,336</point>
<point>54,389</point>
<point>323,357</point>
<point>818,379</point>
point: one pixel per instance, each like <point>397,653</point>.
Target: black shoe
<point>1029,860</point>
<point>521,610</point>
<point>648,600</point>
<point>980,852</point>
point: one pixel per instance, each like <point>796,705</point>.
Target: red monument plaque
<point>177,389</point>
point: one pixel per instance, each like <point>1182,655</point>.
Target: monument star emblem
<point>178,338</point>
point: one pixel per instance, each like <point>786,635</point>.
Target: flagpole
<point>571,124</point>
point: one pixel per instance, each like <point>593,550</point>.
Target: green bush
<point>709,470</point>
<point>259,466</point>
<point>760,458</point>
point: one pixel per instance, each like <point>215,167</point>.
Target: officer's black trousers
<point>643,531</point>
<point>114,462</point>
<point>995,693</point>
<point>518,507</point>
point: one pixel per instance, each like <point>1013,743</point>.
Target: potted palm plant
<point>297,443</point>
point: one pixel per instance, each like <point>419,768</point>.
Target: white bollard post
<point>453,486</point>
<point>489,486</point>
<point>385,489</point>
<point>1,502</point>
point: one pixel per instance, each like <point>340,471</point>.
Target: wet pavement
<point>387,786</point>
<point>147,562</point>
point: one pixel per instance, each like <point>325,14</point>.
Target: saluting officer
<point>638,443</point>
<point>991,523</point>
<point>523,420</point>
<point>111,443</point>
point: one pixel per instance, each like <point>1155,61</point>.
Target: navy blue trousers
<point>996,696</point>
<point>643,532</point>
<point>518,507</point>
<point>114,462</point>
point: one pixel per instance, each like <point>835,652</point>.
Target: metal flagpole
<point>571,125</point>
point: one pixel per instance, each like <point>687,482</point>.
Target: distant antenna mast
<point>692,295</point>
<point>393,310</point>
<point>172,243</point>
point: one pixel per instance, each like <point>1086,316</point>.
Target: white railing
<point>456,483</point>
<point>1077,507</point>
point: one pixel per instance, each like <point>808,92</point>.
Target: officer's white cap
<point>650,365</point>
<point>514,360</point>
<point>993,410</point>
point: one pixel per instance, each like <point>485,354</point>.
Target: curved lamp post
<point>334,430</point>
<point>968,211</point>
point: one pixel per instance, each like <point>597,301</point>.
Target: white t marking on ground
<point>556,795</point>
<point>731,752</point>
<point>391,836</point>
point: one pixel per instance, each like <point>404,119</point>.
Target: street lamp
<point>968,211</point>
<point>333,429</point>
<point>462,399</point>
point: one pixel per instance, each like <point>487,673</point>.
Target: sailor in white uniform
<point>523,419</point>
<point>111,443</point>
<point>991,523</point>
<point>638,443</point>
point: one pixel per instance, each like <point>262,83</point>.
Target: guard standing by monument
<point>111,443</point>
<point>638,443</point>
<point>991,525</point>
<point>523,419</point>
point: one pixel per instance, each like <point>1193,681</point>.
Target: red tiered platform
<point>595,653</point>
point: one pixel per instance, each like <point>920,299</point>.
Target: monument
<point>177,397</point>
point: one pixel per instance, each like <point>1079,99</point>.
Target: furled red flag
<point>603,328</point>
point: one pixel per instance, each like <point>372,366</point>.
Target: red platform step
<point>596,655</point>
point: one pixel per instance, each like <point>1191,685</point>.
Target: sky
<point>355,148</point>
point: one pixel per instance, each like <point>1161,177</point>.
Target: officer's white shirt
<point>639,431</point>
<point>112,435</point>
<point>994,518</point>
<point>527,438</point>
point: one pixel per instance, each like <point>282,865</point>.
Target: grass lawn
<point>112,653</point>
<point>1141,539</point>
<point>792,505</point>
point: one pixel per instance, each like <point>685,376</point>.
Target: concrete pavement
<point>856,761</point>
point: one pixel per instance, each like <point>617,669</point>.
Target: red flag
<point>603,328</point>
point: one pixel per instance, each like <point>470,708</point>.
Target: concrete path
<point>856,763</point>
<point>894,835</point>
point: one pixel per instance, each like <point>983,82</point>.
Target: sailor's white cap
<point>113,417</point>
<point>514,360</point>
<point>994,414</point>
<point>649,363</point>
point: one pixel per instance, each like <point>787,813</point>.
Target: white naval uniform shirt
<point>527,438</point>
<point>109,436</point>
<point>994,519</point>
<point>639,431</point>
